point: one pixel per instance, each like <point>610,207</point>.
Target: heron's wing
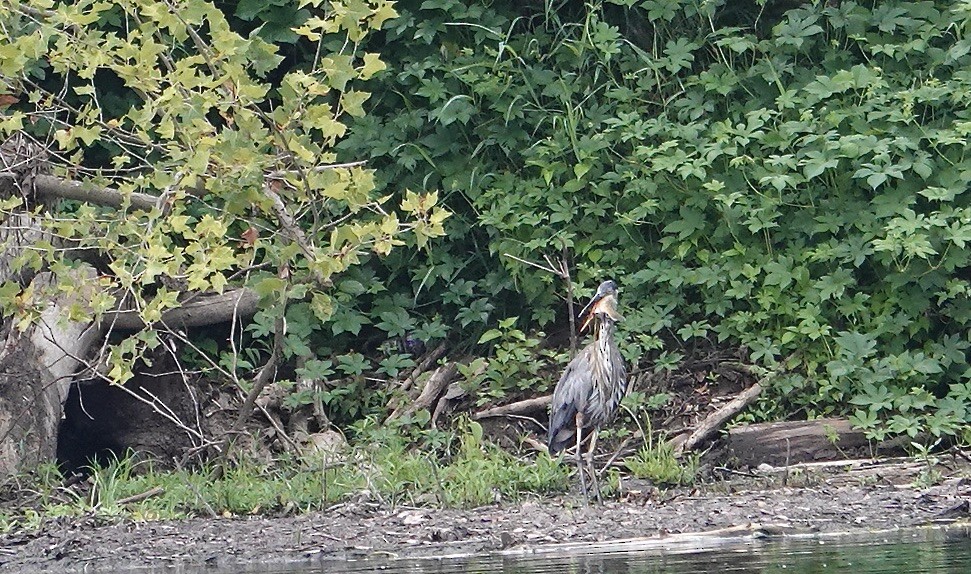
<point>570,397</point>
<point>619,378</point>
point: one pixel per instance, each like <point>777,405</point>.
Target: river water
<point>924,552</point>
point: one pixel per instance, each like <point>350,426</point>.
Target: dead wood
<point>792,442</point>
<point>199,311</point>
<point>424,364</point>
<point>688,441</point>
<point>517,408</point>
<point>434,387</point>
<point>266,374</point>
<point>535,444</point>
<point>453,394</point>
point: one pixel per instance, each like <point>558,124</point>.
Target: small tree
<point>207,169</point>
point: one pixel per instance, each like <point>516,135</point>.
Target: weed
<point>929,475</point>
<point>656,462</point>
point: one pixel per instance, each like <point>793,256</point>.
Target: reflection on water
<point>921,553</point>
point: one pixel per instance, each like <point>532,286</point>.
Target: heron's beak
<point>603,304</point>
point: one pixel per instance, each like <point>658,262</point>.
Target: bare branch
<point>517,408</point>
<point>533,264</point>
<point>714,421</point>
<point>266,373</point>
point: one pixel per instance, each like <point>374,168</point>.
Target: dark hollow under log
<point>155,415</point>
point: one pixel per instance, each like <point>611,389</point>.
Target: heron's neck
<point>604,333</point>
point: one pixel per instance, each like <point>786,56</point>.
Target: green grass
<point>655,461</point>
<point>384,469</point>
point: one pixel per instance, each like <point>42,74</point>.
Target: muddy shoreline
<point>848,498</point>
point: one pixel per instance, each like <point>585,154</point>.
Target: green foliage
<point>233,145</point>
<point>788,183</point>
<point>514,366</point>
<point>930,475</point>
<point>471,473</point>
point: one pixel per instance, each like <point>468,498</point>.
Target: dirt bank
<point>846,497</point>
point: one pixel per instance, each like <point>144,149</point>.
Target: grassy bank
<point>463,471</point>
<point>446,469</point>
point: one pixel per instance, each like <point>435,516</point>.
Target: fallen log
<point>200,311</point>
<point>793,442</point>
<point>688,441</point>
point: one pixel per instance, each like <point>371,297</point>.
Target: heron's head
<point>604,302</point>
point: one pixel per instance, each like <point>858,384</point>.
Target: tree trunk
<point>36,369</point>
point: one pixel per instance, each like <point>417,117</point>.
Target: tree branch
<point>714,421</point>
<point>51,186</point>
<point>265,376</point>
<point>517,408</point>
<point>200,311</point>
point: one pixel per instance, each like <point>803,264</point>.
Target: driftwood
<point>517,408</point>
<point>714,421</point>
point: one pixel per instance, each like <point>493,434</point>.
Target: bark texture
<point>36,369</point>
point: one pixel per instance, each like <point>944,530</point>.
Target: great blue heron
<point>592,386</point>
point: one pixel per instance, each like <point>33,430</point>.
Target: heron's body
<point>592,386</point>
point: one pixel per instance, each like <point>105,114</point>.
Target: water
<point>921,552</point>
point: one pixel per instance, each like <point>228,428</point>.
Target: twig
<point>614,457</point>
<point>563,272</point>
<point>140,497</point>
<point>288,443</point>
<point>266,373</point>
<point>281,173</point>
<point>727,470</point>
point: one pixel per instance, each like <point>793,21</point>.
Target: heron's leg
<point>583,480</point>
<point>594,479</point>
